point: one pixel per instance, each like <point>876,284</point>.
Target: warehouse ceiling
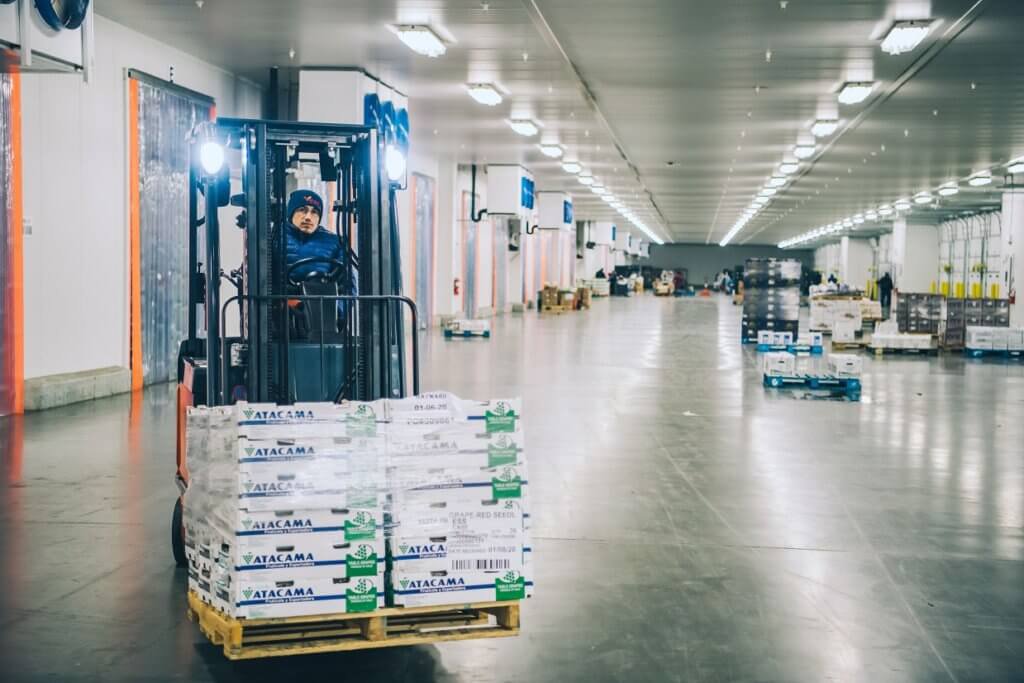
<point>683,108</point>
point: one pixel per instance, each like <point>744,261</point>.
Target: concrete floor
<point>689,524</point>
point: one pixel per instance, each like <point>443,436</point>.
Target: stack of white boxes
<point>995,338</point>
<point>285,508</point>
<point>888,336</point>
<point>781,364</point>
<point>772,338</point>
<point>459,510</point>
<point>294,510</point>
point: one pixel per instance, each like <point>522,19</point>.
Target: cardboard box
<point>815,338</point>
<point>437,516</point>
<point>257,529</point>
<point>507,482</point>
<point>765,337</point>
<point>782,338</point>
<point>845,365</point>
<point>299,596</point>
<point>1015,339</point>
<point>844,330</point>
<point>457,588</point>
<point>979,338</point>
<point>458,552</point>
<point>778,364</point>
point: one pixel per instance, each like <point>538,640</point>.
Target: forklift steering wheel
<point>331,275</point>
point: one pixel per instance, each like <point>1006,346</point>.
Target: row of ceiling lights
<point>979,179</point>
<point>902,37</point>
<point>423,40</point>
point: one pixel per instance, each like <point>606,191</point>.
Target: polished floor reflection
<point>689,525</point>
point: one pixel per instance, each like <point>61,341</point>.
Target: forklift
<point>293,339</point>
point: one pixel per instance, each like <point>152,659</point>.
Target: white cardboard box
<point>298,596</point>
<point>844,331</point>
<point>438,517</point>
<point>781,364</point>
<point>815,338</point>
<point>483,552</point>
<point>845,364</point>
<point>765,337</point>
<point>456,588</point>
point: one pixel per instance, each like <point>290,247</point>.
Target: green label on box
<point>508,485</point>
<point>362,598</point>
<point>363,562</point>
<point>502,452</point>
<point>363,422</point>
<point>501,419</point>
<point>362,527</point>
<point>511,586</point>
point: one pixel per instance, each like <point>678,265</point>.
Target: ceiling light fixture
<point>788,167</point>
<point>777,181</point>
<point>822,128</point>
<point>1015,166</point>
<point>902,205</point>
<point>551,150</point>
<point>571,166</point>
<point>980,179</point>
<point>848,223</point>
<point>904,36</point>
<point>948,190</point>
<point>804,151</point>
<point>855,92</point>
<point>923,198</point>
<point>421,39</point>
<point>484,93</point>
<point>597,189</point>
<point>586,180</point>
<point>525,127</point>
<point>858,219</point>
<point>871,215</point>
<point>885,210</point>
<point>767,192</point>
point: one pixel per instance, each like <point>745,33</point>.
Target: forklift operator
<point>307,239</point>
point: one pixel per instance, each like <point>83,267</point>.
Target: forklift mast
<point>256,364</point>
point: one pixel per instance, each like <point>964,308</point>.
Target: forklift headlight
<point>211,156</point>
<point>394,160</point>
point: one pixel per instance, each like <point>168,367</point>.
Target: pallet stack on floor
<point>771,297</point>
<point>297,512</point>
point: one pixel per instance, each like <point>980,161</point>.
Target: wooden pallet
<point>848,346</point>
<point>555,309</point>
<point>390,627</point>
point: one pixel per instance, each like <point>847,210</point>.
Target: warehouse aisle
<point>675,541</point>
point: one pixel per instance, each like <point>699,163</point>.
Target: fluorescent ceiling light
<point>586,180</point>
<point>848,223</point>
<point>904,36</point>
<point>550,150</point>
<point>777,181</point>
<point>767,192</point>
<point>609,198</point>
<point>803,151</point>
<point>484,93</point>
<point>855,92</point>
<point>858,219</point>
<point>923,198</point>
<point>525,127</point>
<point>571,166</point>
<point>788,167</point>
<point>885,210</point>
<point>822,128</point>
<point>1015,166</point>
<point>421,39</point>
<point>902,205</point>
<point>760,201</point>
<point>597,189</point>
<point>948,190</point>
<point>980,179</point>
<point>871,215</point>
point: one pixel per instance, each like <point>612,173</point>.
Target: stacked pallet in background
<point>919,313</point>
<point>771,297</point>
<point>987,312</point>
<point>320,508</point>
<point>954,324</point>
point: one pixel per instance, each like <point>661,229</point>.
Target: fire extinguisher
<point>455,286</point>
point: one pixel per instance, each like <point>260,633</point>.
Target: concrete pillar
<point>1013,251</point>
<point>915,256</point>
<point>856,262</point>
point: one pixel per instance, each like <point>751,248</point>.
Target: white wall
<point>76,196</point>
<point>1013,245</point>
<point>917,264</point>
<point>827,260</point>
<point>857,263</point>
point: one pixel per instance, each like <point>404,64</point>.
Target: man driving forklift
<point>315,246</point>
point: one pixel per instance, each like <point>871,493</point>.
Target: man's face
<point>306,219</point>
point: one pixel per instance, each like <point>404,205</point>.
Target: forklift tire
<point>178,535</point>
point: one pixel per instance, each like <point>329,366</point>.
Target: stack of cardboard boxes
<point>771,297</point>
<point>325,508</point>
<point>888,336</point>
<point>981,338</point>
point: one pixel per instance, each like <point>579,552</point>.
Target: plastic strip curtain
<point>9,375</point>
<point>424,227</point>
<point>499,293</point>
<point>165,120</point>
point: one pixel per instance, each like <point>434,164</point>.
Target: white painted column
<point>1013,251</point>
<point>915,255</point>
<point>856,263</point>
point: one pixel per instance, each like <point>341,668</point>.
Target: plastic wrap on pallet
<point>326,508</point>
